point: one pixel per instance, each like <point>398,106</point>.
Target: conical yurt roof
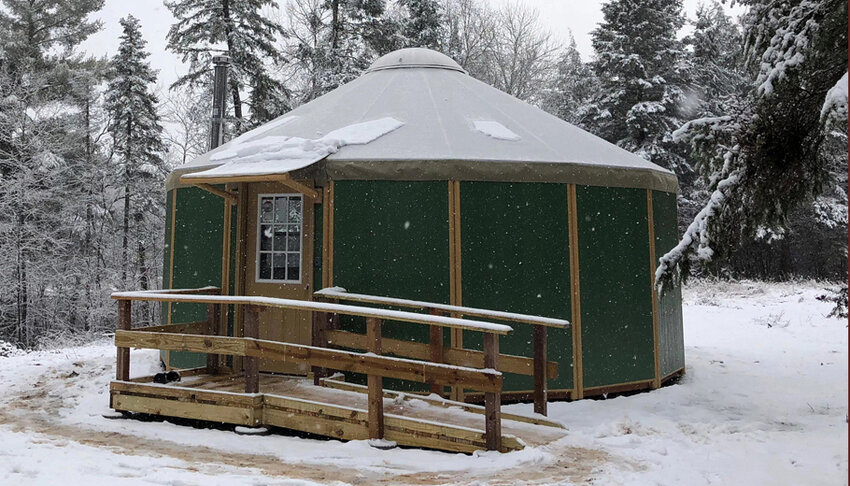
<point>416,115</point>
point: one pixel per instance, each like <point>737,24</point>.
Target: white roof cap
<point>414,57</point>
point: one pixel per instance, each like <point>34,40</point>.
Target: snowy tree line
<point>748,112</point>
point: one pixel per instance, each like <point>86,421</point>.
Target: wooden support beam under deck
<point>251,364</point>
<point>213,318</point>
<point>375,382</point>
<point>492,400</point>
<point>541,390</point>
<point>122,365</point>
<point>319,340</point>
<point>436,349</point>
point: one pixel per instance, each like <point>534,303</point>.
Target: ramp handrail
<point>361,311</point>
<point>342,294</point>
<point>540,338</point>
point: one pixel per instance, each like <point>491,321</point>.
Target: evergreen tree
<point>717,78</point>
<point>207,27</point>
<point>423,26</point>
<point>41,34</point>
<point>39,154</point>
<point>641,70</point>
<point>135,128</point>
<point>574,86</point>
<point>717,62</point>
<point>772,149</point>
<point>337,40</point>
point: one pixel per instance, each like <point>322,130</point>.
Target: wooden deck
<point>244,396</point>
<point>338,410</point>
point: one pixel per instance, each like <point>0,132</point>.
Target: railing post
<point>492,400</point>
<point>436,343</point>
<point>375,382</point>
<point>250,363</point>
<point>122,365</point>
<point>320,340</point>
<point>213,318</point>
<point>541,391</point>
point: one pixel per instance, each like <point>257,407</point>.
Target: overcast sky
<point>560,16</point>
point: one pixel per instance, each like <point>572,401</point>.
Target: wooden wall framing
<point>656,382</point>
<point>328,236</point>
<point>575,290</point>
<point>171,248</point>
<point>455,282</point>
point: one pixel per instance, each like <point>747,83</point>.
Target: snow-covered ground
<point>764,401</point>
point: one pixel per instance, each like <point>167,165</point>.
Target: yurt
<point>417,181</point>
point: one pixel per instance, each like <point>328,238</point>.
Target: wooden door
<point>279,251</point>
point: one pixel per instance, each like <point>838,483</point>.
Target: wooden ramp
<point>338,410</point>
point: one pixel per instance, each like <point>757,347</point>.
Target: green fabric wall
<point>515,257</point>
<point>671,347</point>
<point>616,305</point>
<point>391,238</point>
<point>197,257</point>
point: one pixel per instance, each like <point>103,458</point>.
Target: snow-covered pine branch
<point>770,133</point>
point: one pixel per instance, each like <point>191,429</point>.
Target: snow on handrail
<point>354,310</point>
<point>341,293</point>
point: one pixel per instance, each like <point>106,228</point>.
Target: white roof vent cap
<point>414,57</point>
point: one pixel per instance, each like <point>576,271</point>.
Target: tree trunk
<point>87,242</point>
<point>234,84</point>
<point>143,268</point>
<point>21,297</point>
<point>125,236</point>
<point>335,24</point>
<point>125,230</point>
<point>144,280</point>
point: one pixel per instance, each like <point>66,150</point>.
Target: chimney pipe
<point>221,64</point>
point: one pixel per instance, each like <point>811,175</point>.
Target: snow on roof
<point>496,130</point>
<point>439,105</point>
<point>259,155</point>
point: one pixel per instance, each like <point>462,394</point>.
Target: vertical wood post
<point>213,322</point>
<point>375,382</point>
<point>656,381</point>
<point>575,293</point>
<point>541,391</point>
<point>122,365</point>
<point>436,349</point>
<point>320,340</point>
<point>492,400</point>
<point>250,363</point>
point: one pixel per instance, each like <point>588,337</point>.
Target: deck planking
<point>297,403</point>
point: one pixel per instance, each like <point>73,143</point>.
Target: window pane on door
<point>266,235</point>
<point>293,242</point>
<point>266,209</point>
<point>279,234</point>
<point>280,209</point>
<point>265,272</point>
<point>280,266</point>
<point>280,238</point>
<point>293,261</point>
<point>295,210</point>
